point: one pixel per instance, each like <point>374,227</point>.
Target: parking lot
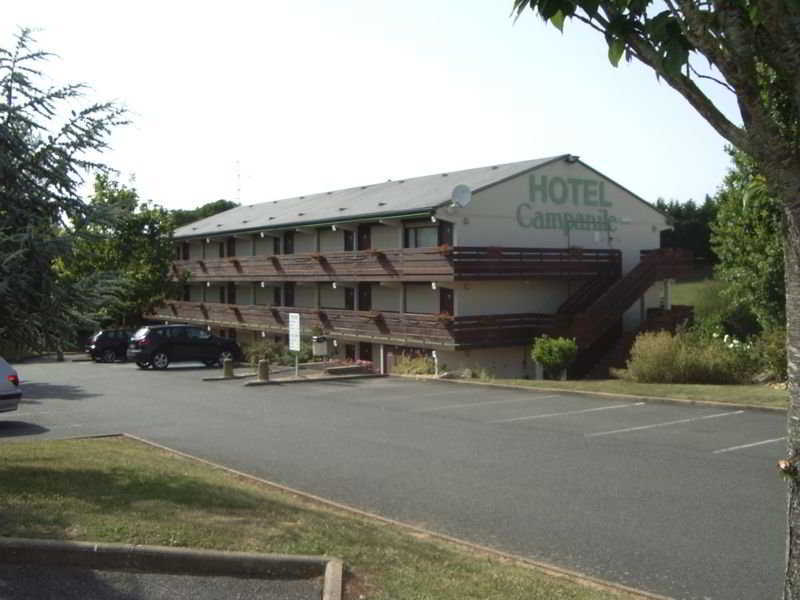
<point>676,499</point>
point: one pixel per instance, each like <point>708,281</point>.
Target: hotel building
<point>471,264</point>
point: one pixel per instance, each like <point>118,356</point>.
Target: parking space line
<point>743,446</point>
<point>666,424</point>
<point>469,404</point>
<point>569,412</point>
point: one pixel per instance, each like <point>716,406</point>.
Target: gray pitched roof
<point>392,198</point>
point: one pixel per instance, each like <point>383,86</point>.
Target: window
<point>364,296</point>
<point>276,245</point>
<point>364,237</point>
<point>276,296</point>
<point>349,240</point>
<point>349,298</point>
<point>196,333</point>
<point>288,293</point>
<point>231,293</point>
<point>421,237</point>
<point>231,246</point>
<point>185,251</point>
<point>288,242</point>
<point>187,295</point>
<point>446,303</point>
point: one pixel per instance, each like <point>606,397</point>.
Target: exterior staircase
<point>598,305</point>
<point>586,295</point>
<point>604,313</point>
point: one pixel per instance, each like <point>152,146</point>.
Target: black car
<point>108,345</point>
<point>160,345</point>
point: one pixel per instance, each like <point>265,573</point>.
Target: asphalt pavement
<point>678,500</point>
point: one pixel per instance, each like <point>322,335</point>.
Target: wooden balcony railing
<point>407,264</point>
<point>437,331</point>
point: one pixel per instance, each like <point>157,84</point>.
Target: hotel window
<point>421,237</point>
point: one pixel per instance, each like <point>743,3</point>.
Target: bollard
<point>263,370</point>
<point>227,367</point>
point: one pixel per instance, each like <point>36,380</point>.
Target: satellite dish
<point>461,195</point>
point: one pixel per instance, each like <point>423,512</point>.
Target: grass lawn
<point>754,395</point>
<point>118,490</point>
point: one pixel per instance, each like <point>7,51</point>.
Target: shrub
<point>407,364</point>
<point>275,352</point>
<point>771,348</point>
<point>554,354</point>
<point>689,357</point>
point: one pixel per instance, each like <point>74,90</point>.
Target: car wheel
<point>142,365</point>
<point>109,356</point>
<point>223,355</point>
<point>160,360</point>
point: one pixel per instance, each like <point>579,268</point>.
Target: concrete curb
<point>221,378</point>
<point>312,380</point>
<point>659,399</point>
<point>546,568</point>
<point>163,559</point>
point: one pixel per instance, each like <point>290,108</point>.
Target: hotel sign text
<point>566,193</point>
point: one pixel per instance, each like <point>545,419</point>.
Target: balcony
<point>408,264</point>
<point>434,331</point>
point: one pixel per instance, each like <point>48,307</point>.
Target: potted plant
<point>555,355</point>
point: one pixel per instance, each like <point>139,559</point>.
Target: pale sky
<point>256,101</point>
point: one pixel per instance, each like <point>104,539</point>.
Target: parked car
<point>108,345</point>
<point>160,345</point>
<point>9,387</point>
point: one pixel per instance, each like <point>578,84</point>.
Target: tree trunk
<point>792,257</point>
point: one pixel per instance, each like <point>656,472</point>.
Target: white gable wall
<point>558,206</point>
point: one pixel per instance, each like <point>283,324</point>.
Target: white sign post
<point>294,339</point>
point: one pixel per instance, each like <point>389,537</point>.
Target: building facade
<point>472,265</point>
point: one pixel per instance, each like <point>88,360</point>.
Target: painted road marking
<point>743,446</point>
<point>469,404</point>
<point>570,412</point>
<point>666,424</point>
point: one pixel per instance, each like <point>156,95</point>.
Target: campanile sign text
<point>565,193</point>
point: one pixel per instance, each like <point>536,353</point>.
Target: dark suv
<point>108,345</point>
<point>159,345</point>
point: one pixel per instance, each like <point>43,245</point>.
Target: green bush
<point>408,364</point>
<point>771,348</point>
<point>689,357</point>
<point>275,352</point>
<point>554,354</point>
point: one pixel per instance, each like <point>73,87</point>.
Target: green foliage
<point>748,238</point>
<point>623,22</point>
<point>687,357</point>
<point>406,364</point>
<point>276,352</point>
<point>554,354</point>
<point>43,161</point>
<point>691,227</point>
<point>184,217</point>
<point>770,347</point>
<point>131,247</point>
